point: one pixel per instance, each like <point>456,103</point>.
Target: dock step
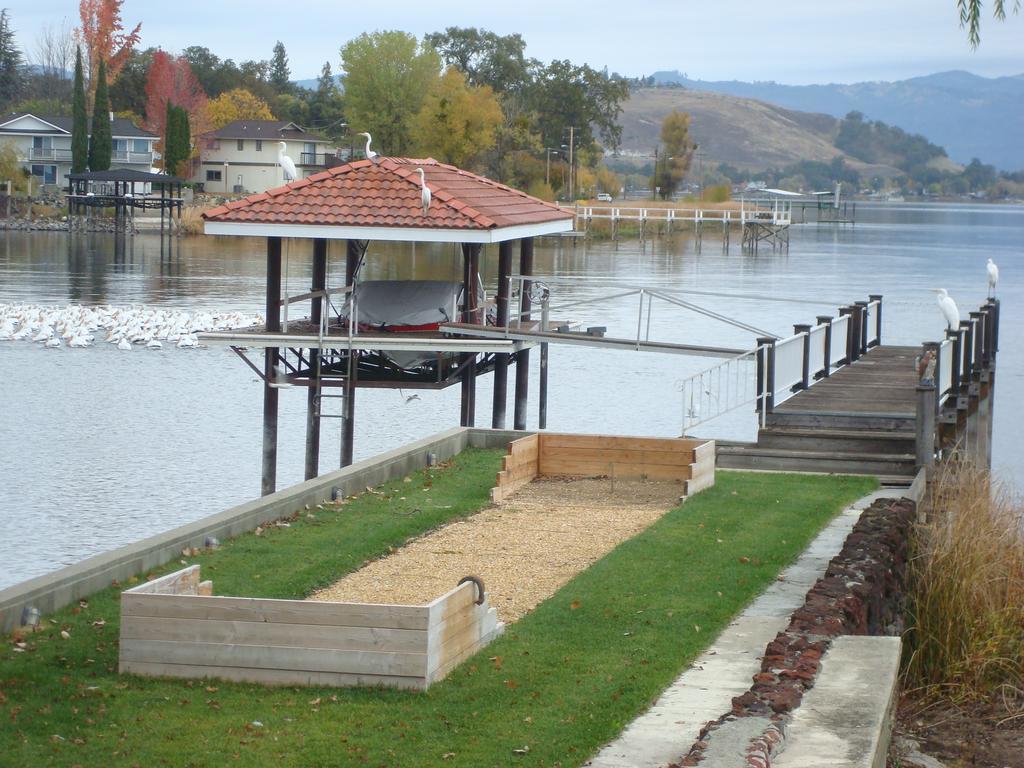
<point>887,422</point>
<point>869,441</point>
<point>840,462</point>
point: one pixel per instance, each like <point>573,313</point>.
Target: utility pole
<point>654,177</point>
<point>572,173</point>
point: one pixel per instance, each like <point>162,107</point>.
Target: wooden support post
<point>976,332</point>
<point>352,255</point>
<point>470,272</point>
<point>935,348</point>
<point>878,319</point>
<point>523,357</point>
<point>862,327</point>
<point>805,378</point>
<point>967,331</point>
<point>501,360</point>
<point>925,426</point>
<point>270,393</point>
<point>318,283</point>
<point>826,320</point>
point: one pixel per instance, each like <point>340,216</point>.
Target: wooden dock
<point>861,419</point>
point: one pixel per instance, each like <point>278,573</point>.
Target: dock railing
<point>951,372</point>
<point>782,367</point>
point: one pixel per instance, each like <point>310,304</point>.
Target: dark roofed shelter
<point>117,188</point>
<point>381,199</point>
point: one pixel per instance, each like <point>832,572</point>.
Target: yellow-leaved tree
<point>236,104</point>
<point>457,122</point>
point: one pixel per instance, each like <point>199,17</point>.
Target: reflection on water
<point>100,448</point>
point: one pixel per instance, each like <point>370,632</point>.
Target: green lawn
<point>559,684</point>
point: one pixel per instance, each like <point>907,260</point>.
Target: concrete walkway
<point>705,691</point>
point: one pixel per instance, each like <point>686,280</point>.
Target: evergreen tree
<point>79,122</point>
<point>325,83</point>
<point>101,146</point>
<point>11,74</point>
<point>280,76</point>
<point>184,140</point>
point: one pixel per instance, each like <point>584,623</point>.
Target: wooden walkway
<point>880,385</point>
<point>859,420</point>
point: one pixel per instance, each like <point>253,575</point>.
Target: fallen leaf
<point>211,689</point>
<point>447,755</point>
<point>744,559</point>
<point>574,605</point>
<point>522,750</point>
<point>315,702</point>
<point>65,634</point>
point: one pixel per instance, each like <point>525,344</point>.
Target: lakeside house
<point>241,157</point>
<point>43,145</point>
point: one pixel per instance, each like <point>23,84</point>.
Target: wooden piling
<point>523,356</point>
<point>270,393</point>
<point>353,253</point>
<point>318,283</point>
<point>501,360</point>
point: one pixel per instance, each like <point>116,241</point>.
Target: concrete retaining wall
<point>55,590</point>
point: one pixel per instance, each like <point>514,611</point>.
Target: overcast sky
<point>789,41</point>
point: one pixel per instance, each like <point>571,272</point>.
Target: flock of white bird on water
<point>126,327</point>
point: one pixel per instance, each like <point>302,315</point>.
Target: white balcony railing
<point>53,154</point>
<point>122,156</point>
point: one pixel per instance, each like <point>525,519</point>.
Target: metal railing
<point>313,158</point>
<point>49,153</point>
<point>783,367</point>
<point>123,156</point>
<point>728,386</point>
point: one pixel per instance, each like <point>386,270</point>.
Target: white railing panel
<point>871,319</point>
<point>840,327</point>
<point>817,351</point>
<point>945,370</point>
<point>789,366</point>
<point>720,389</point>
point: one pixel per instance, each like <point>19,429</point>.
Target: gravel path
<point>524,549</point>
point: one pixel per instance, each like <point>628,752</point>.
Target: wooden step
<point>874,441</point>
<point>896,421</point>
<point>839,462</point>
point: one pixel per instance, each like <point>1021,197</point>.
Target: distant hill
<point>970,116</point>
<point>312,83</point>
<point>748,134</point>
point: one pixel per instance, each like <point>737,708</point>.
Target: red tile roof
<point>385,192</point>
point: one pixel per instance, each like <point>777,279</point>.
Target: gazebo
<point>382,199</point>
<point>117,188</point>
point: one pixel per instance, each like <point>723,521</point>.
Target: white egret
<point>370,154</point>
<point>993,277</point>
<point>948,307</point>
<point>287,166</point>
<point>425,192</point>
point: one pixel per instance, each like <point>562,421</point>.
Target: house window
<point>119,145</point>
<point>214,176</point>
<point>259,145</point>
<point>42,142</point>
<point>47,172</point>
<point>241,144</point>
<point>140,145</point>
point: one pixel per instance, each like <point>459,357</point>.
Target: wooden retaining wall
<point>691,462</point>
<point>174,627</point>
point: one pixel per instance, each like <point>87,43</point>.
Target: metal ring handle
<point>479,587</point>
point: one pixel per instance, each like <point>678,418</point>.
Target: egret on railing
<point>948,307</point>
<point>993,277</point>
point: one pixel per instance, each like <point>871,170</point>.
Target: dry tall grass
<point>192,219</point>
<point>966,596</point>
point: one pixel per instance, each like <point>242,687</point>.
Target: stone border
<point>62,587</point>
<point>860,594</point>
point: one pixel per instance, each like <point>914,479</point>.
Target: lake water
<point>100,447</point>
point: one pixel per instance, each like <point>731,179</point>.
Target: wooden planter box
<point>174,627</point>
<point>691,462</point>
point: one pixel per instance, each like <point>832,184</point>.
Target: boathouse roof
<point>126,175</point>
<point>380,199</point>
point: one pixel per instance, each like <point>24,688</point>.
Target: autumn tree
<point>237,104</point>
<point>171,79</point>
<point>457,122</point>
<point>104,37</point>
<point>79,121</point>
<point>101,143</point>
<point>675,136</point>
<point>485,58</point>
<point>387,76</point>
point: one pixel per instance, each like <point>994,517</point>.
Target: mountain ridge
<point>970,115</point>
